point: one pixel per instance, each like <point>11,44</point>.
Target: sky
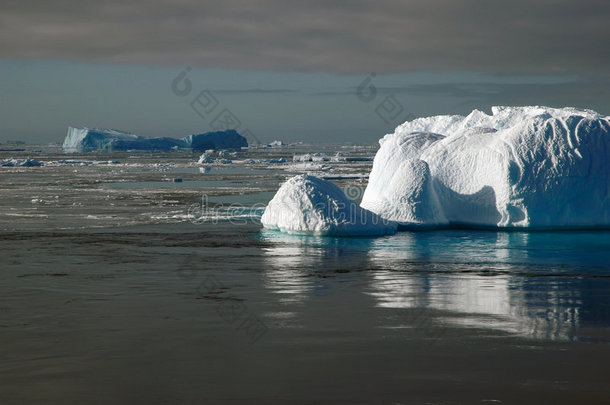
<point>314,71</point>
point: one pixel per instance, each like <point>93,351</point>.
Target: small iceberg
<point>310,157</point>
<point>309,205</point>
<point>205,158</point>
<point>13,162</point>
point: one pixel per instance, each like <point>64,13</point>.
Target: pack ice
<point>108,140</point>
<point>309,205</point>
<point>521,167</point>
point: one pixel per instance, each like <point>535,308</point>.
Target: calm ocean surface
<point>146,278</point>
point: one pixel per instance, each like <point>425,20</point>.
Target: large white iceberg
<point>309,205</point>
<point>108,140</point>
<point>521,167</point>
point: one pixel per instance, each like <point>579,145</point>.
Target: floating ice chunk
<point>310,157</point>
<point>205,158</point>
<point>74,162</point>
<point>309,205</point>
<point>308,167</point>
<point>13,162</point>
<point>265,161</point>
<point>534,167</point>
<point>340,157</point>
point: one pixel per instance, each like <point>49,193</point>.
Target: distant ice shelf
<point>111,140</point>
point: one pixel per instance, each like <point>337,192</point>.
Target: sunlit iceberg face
<point>310,205</point>
<point>521,167</point>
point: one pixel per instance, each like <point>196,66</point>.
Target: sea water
<point>120,284</point>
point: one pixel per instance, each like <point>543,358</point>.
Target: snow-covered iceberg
<point>309,205</point>
<point>108,140</point>
<point>521,167</point>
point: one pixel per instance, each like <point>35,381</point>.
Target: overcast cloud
<point>517,36</point>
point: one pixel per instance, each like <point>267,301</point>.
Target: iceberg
<point>205,158</point>
<point>108,140</point>
<point>310,157</point>
<point>228,139</point>
<point>14,162</point>
<point>520,167</point>
<point>306,204</point>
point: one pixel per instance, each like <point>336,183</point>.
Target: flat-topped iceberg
<point>309,205</point>
<point>521,167</point>
<point>228,139</point>
<point>108,140</point>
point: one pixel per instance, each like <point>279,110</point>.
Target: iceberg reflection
<point>548,286</point>
<point>485,284</point>
<point>298,265</point>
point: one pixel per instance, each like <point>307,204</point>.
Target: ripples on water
<point>109,250</point>
<point>540,285</point>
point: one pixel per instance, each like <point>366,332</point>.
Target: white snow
<point>533,167</point>
<point>205,158</point>
<point>306,204</point>
<point>307,167</point>
<point>310,157</point>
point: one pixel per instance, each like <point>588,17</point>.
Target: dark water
<point>118,285</point>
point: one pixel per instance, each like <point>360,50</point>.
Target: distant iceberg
<point>14,162</point>
<point>228,139</point>
<point>309,205</point>
<point>108,140</point>
<point>521,167</point>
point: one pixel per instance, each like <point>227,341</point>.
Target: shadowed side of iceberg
<point>306,204</point>
<point>228,139</point>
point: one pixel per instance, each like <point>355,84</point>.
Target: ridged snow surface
<point>522,167</point>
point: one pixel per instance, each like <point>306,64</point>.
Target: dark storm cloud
<point>342,36</point>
